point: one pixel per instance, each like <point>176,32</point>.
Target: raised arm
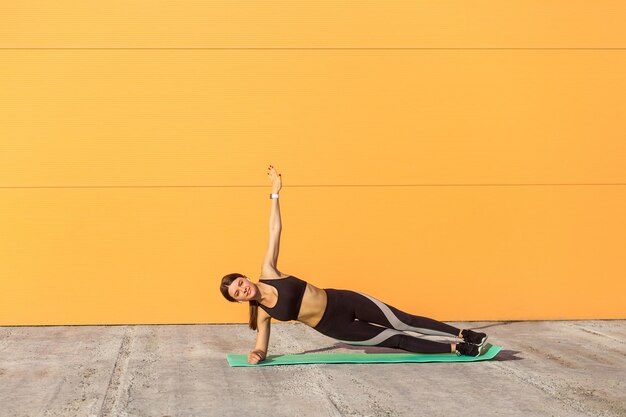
<point>271,257</point>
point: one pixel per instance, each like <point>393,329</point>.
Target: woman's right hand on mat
<point>275,178</point>
<point>255,357</point>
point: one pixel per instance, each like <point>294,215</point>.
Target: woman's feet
<point>467,349</point>
<point>473,337</point>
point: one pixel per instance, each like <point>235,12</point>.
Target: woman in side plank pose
<point>348,316</point>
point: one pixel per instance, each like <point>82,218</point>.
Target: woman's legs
<point>374,311</point>
<point>349,316</point>
<point>361,333</point>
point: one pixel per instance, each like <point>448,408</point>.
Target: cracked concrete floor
<point>546,368</point>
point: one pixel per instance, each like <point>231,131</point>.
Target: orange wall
<point>431,154</point>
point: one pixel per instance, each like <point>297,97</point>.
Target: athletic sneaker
<point>473,337</point>
<point>467,349</point>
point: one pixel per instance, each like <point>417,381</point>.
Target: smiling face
<point>242,289</point>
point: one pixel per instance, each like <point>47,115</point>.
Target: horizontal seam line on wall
<point>302,186</point>
<point>334,48</point>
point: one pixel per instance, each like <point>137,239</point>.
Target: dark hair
<point>254,305</point>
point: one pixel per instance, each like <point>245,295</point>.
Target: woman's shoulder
<point>272,273</point>
<point>270,276</point>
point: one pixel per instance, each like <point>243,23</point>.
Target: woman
<point>347,316</point>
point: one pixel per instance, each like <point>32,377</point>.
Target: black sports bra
<point>290,294</point>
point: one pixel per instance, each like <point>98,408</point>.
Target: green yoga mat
<point>488,351</point>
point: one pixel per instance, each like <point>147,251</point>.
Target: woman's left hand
<point>275,178</point>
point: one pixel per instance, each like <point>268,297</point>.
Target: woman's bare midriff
<point>313,305</point>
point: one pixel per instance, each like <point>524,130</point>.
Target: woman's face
<point>242,289</point>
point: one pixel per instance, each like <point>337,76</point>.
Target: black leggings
<point>356,319</point>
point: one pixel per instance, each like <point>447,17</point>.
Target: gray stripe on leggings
<point>379,338</point>
<point>399,325</point>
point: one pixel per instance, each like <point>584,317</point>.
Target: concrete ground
<point>546,368</point>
